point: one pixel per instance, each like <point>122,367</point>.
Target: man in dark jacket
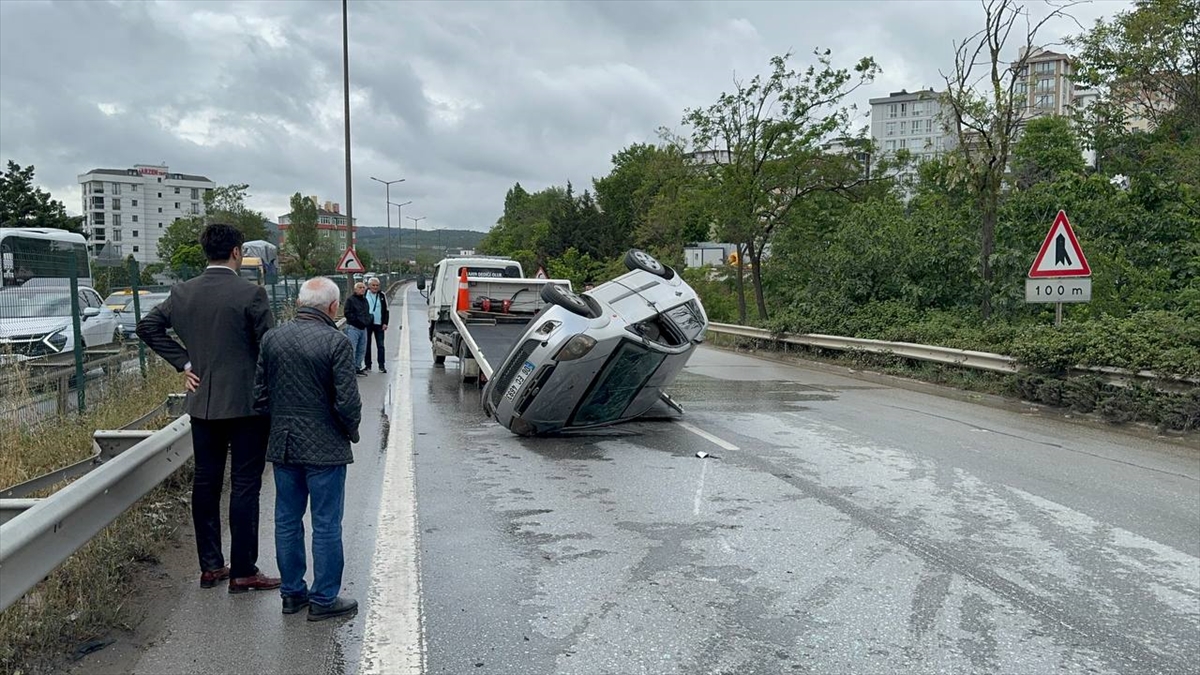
<point>221,319</point>
<point>305,384</point>
<point>358,325</point>
<point>377,305</point>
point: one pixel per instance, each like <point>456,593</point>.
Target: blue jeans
<point>295,486</point>
<point>358,338</point>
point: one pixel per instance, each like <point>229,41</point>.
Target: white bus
<point>34,254</point>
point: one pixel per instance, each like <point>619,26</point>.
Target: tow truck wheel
<point>557,295</point>
<point>637,259</point>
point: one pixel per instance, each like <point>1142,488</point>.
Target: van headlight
<point>57,340</point>
<point>576,348</point>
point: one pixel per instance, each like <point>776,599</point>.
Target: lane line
<point>392,640</point>
<point>699,488</point>
<point>707,436</point>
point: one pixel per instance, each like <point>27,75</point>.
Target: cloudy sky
<point>461,99</point>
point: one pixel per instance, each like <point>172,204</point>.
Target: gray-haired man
<point>305,383</point>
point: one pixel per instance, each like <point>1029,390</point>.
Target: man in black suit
<point>221,319</point>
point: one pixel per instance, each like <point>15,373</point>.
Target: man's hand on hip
<point>191,381</point>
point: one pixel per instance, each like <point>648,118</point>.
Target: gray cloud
<point>459,98</point>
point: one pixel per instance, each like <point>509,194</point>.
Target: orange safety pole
<point>464,292</point>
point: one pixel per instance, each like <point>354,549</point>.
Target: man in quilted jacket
<point>305,383</point>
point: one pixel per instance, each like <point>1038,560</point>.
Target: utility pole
<point>346,96</point>
<point>387,196</point>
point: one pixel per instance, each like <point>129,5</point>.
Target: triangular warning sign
<point>1060,255</point>
<point>350,262</point>
<point>541,274</point>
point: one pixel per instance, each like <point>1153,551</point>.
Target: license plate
<point>519,380</point>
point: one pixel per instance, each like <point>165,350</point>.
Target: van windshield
<point>618,384</point>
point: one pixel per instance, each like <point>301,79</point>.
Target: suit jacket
<point>221,319</point>
<point>383,306</point>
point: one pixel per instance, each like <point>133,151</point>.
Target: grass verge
<point>85,597</point>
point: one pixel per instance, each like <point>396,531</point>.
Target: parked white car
<point>35,322</point>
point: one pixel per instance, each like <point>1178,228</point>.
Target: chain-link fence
<point>68,330</point>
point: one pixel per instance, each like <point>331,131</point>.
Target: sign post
<point>1060,272</point>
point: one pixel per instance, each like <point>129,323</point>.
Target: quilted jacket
<point>358,314</point>
<point>305,382</point>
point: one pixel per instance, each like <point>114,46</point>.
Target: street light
<point>415,245</point>
<point>387,196</point>
<point>399,223</point>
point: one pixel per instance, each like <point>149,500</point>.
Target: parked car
<point>599,357</point>
<point>36,321</point>
<point>128,318</point>
<point>118,299</point>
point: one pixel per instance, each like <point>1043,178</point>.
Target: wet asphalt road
<point>839,526</point>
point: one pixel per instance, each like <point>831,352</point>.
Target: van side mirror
<point>421,282</point>
<point>89,312</point>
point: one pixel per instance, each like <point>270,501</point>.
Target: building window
<point>160,226</point>
<point>135,202</point>
<point>903,143</point>
<point>116,188</point>
<point>97,202</point>
<point>116,235</point>
<point>903,109</point>
<point>928,142</point>
<point>1045,84</point>
<point>890,145</point>
<point>916,109</point>
<point>1044,101</point>
<point>98,234</point>
<point>97,218</point>
<point>176,190</point>
<point>929,126</point>
<point>97,188</point>
<point>904,127</point>
<point>116,204</point>
<point>160,209</point>
<point>116,220</point>
<point>195,193</point>
<point>892,110</point>
<point>195,208</point>
<point>160,195</point>
<point>176,205</point>
<point>135,248</point>
<point>891,128</point>
<point>135,217</point>
<point>135,234</point>
<point>160,179</point>
<point>133,188</point>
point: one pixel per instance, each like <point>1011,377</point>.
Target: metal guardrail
<point>965,358</point>
<point>39,534</point>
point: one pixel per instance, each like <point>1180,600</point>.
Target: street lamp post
<point>400,224</point>
<point>415,221</point>
<point>346,98</point>
<point>387,196</point>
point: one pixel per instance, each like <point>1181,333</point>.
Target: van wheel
<point>576,304</point>
<point>637,259</point>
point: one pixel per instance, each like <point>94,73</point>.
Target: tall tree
<point>762,147</point>
<point>303,238</point>
<point>227,204</point>
<point>1048,147</point>
<point>987,108</point>
<point>24,205</point>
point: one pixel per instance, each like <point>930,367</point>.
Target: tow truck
<point>479,306</point>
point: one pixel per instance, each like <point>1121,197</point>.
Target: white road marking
<point>393,641</point>
<point>707,436</point>
<point>719,442</point>
<point>700,488</point>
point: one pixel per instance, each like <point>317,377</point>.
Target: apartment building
<point>126,211</point>
<point>331,224</point>
<point>912,121</point>
<point>1044,85</point>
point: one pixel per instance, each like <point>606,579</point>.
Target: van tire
<point>573,303</point>
<point>637,259</point>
